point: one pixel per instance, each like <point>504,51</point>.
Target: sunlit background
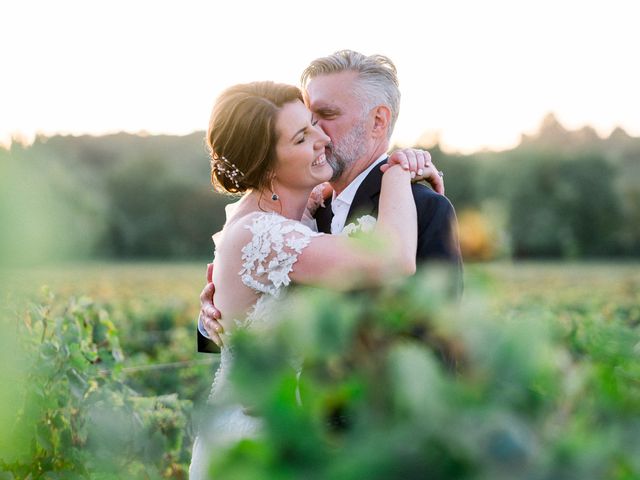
<point>473,74</point>
<point>531,109</point>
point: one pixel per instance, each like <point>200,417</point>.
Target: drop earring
<point>274,195</point>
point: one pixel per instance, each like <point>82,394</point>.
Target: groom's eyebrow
<point>326,110</point>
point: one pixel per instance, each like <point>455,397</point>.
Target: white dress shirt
<point>341,204</point>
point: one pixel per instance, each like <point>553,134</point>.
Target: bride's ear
<point>381,121</point>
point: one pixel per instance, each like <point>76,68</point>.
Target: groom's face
<point>340,114</point>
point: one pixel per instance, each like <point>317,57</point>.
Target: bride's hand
<point>318,195</point>
<point>419,163</point>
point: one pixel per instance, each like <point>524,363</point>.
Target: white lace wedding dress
<point>267,261</point>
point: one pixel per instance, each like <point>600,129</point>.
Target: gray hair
<point>377,78</point>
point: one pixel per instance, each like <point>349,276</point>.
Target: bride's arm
<point>341,262</point>
<point>398,218</point>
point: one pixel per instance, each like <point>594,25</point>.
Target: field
<point>147,361</point>
<point>157,283</point>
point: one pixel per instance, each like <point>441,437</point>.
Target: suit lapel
<point>365,201</point>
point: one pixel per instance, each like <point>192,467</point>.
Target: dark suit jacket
<point>437,222</point>
<point>437,228</point>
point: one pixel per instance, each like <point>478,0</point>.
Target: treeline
<point>559,194</point>
<point>117,196</point>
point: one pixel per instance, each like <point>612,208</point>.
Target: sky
<point>474,74</point>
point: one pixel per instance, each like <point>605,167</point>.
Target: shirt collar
<point>349,193</point>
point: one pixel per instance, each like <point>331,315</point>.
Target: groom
<point>355,98</point>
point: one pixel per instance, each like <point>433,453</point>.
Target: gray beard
<point>344,154</point>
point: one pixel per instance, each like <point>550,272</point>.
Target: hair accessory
<point>229,170</point>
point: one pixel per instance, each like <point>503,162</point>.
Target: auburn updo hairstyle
<point>242,134</point>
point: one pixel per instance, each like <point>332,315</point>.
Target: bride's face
<point>301,161</point>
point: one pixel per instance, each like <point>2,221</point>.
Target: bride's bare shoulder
<point>238,231</point>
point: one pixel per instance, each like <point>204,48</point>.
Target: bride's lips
<point>321,160</point>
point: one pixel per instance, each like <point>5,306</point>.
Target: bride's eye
<point>300,141</point>
<point>314,121</point>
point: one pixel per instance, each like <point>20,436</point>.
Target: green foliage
<point>465,180</point>
<point>74,415</point>
<point>533,376</point>
<point>562,206</point>
<point>45,214</point>
<point>558,205</point>
<point>400,384</point>
<point>121,196</point>
<point>155,213</point>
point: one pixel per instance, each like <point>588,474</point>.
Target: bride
<point>265,144</point>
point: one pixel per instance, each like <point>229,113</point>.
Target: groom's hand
<point>209,314</point>
<point>419,163</point>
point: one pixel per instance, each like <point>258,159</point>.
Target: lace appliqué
<point>274,248</point>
